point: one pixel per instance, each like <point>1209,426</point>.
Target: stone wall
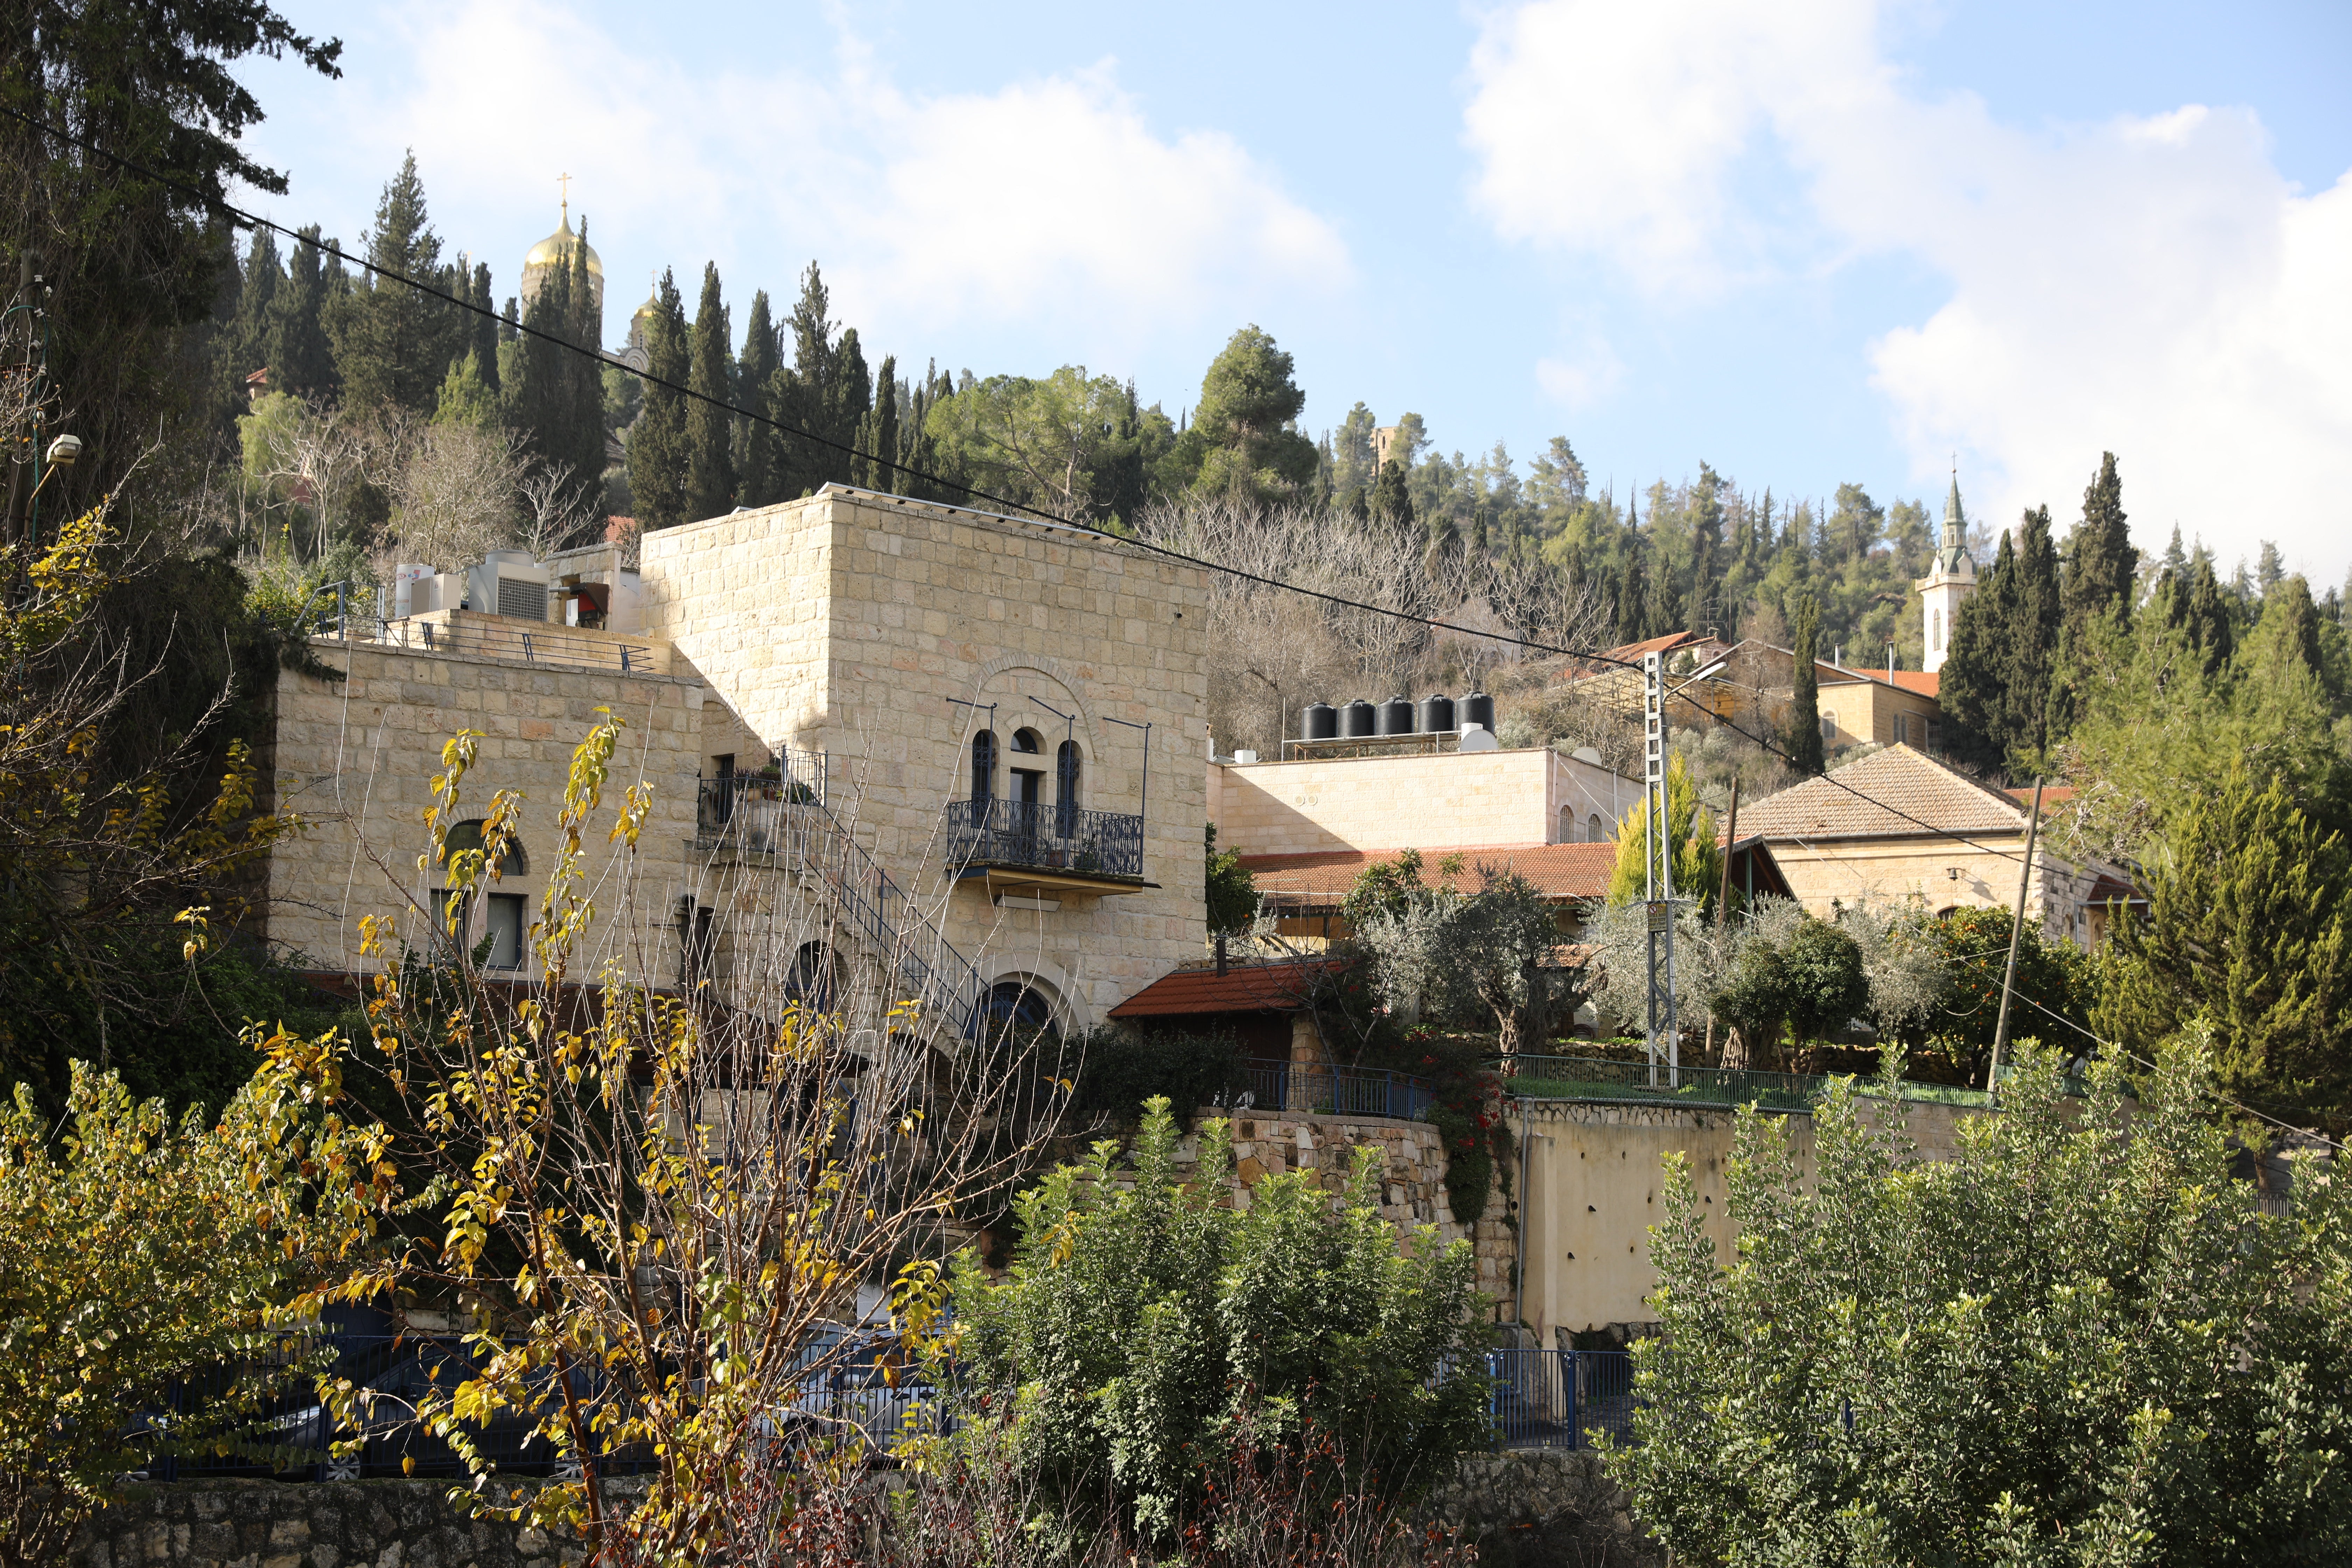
<point>1542,1508</point>
<point>886,633</point>
<point>313,1524</point>
<point>1430,802</point>
<point>356,758</point>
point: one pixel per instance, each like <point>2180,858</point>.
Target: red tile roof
<point>1280,987</point>
<point>1562,870</point>
<point>1918,682</point>
<point>1632,652</point>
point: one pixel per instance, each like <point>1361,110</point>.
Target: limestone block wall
<point>1825,871</point>
<point>355,758</point>
<point>1440,801</point>
<point>886,632</point>
<point>1595,1184</point>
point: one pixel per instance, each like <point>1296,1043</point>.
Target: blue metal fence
<point>1559,1399</point>
<point>1339,1091</point>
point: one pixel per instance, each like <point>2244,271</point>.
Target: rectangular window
<point>1902,728</point>
<point>504,922</point>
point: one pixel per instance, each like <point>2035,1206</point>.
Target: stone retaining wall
<point>1543,1508</point>
<point>311,1524</point>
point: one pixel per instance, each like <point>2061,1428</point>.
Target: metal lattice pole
<point>1658,855</point>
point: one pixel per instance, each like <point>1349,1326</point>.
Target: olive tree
<point>2078,1340</point>
<point>1461,956</point>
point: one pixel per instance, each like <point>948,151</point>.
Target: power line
<point>1033,515</point>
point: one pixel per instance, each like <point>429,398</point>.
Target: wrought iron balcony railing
<point>1029,837</point>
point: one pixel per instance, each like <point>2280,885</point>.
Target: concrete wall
<point>1595,1183</point>
<point>1442,800</point>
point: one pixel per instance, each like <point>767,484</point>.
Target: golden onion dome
<point>556,250</point>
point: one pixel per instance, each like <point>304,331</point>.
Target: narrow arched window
<point>1567,824</point>
<point>984,766</point>
<point>1599,832</point>
<point>1065,787</point>
<point>1829,726</point>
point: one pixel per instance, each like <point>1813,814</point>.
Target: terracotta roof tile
<point>1913,785</point>
<point>1280,987</point>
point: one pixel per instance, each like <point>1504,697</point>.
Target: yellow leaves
<point>200,932</point>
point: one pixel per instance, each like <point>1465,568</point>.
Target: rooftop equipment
<point>1396,716</point>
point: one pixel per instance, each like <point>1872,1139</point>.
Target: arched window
<point>1600,831</point>
<point>1026,781</point>
<point>1567,824</point>
<point>1066,788</point>
<point>815,975</point>
<point>984,766</point>
<point>499,919</point>
<point>1016,1009</point>
<point>1935,630</point>
<point>1829,726</point>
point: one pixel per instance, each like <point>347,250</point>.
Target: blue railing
<point>1339,1091</point>
<point>1559,1399</point>
<point>1034,835</point>
<point>287,1434</point>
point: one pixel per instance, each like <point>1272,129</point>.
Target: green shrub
<point>1116,1070</point>
<point>1139,1326</point>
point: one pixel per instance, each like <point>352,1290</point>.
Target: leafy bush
<point>1141,1326</point>
<point>2075,1340</point>
<point>1116,1071</point>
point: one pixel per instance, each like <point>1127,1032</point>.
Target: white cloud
<point>1585,380</point>
<point>2148,285</point>
<point>1049,203</point>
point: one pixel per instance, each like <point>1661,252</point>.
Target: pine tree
<point>658,441</point>
<point>2100,557</point>
<point>393,343</point>
<point>709,428</point>
<point>2176,561</point>
<point>1804,733</point>
<point>755,441</point>
<point>2268,569</point>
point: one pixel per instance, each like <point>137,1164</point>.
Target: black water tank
<point>1322,721</point>
<point>1478,709</point>
<point>1396,716</point>
<point>1437,715</point>
<point>1362,719</point>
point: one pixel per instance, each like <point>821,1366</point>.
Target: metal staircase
<point>786,819</point>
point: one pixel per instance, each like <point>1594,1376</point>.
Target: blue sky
<point>1825,240</point>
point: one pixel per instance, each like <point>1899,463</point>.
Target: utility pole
<point>1658,855</point>
<point>2016,929</point>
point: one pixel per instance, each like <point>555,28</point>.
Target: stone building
<point>1948,584</point>
<point>957,744</point>
<point>1899,824</point>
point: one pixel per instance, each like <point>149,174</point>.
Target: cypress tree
<point>882,474</point>
<point>2032,656</point>
<point>482,326</point>
<point>709,428</point>
<point>248,338</point>
<point>1970,691</point>
<point>584,411</point>
<point>755,368</point>
<point>2207,620</point>
<point>302,361</point>
<point>1631,592</point>
<point>1804,734</point>
<point>2100,558</point>
<point>849,399</point>
<point>658,441</point>
<point>1391,503</point>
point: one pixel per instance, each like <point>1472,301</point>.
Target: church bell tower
<point>1948,582</point>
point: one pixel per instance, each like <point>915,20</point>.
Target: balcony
<point>764,814</point>
<point>1033,847</point>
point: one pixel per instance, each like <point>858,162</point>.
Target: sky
<point>1816,242</point>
